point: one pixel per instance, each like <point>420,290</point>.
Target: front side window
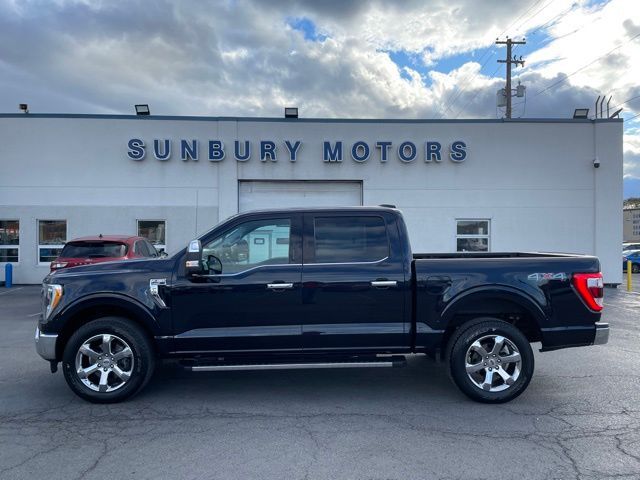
<point>472,235</point>
<point>251,244</point>
<point>52,235</point>
<point>9,241</point>
<point>350,239</point>
<point>155,232</point>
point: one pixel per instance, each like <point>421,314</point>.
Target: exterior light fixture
<point>291,112</point>
<point>143,109</point>
<point>24,107</point>
<point>581,113</point>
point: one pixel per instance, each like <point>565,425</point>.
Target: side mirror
<point>215,265</point>
<point>193,265</point>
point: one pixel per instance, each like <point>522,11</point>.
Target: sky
<point>330,58</point>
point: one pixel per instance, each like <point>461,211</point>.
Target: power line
<point>585,66</point>
<point>631,118</point>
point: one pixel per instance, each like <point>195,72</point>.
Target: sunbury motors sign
<point>289,150</point>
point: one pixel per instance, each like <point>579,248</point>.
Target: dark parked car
<point>634,256</point>
<point>103,248</point>
<point>317,288</point>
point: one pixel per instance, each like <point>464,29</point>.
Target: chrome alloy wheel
<point>493,363</point>
<point>104,363</point>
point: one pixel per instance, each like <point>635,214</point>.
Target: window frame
<point>41,246</point>
<point>472,236</point>
<point>10,246</point>
<point>294,239</point>
<point>310,237</point>
<point>159,246</point>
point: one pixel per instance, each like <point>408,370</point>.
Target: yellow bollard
<point>628,275</point>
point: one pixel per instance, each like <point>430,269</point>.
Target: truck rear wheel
<point>108,360</point>
<point>491,361</point>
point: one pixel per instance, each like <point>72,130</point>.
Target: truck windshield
<point>93,250</point>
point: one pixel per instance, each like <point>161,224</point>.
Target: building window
<point>473,235</point>
<point>154,231</point>
<point>9,241</point>
<point>52,235</point>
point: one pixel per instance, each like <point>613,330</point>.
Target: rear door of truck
<point>353,284</point>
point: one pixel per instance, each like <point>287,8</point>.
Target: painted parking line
<point>34,314</point>
<point>11,291</point>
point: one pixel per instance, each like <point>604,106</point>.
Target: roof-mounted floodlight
<point>291,112</point>
<point>581,113</point>
<point>143,109</point>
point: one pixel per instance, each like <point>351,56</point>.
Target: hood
<point>117,267</point>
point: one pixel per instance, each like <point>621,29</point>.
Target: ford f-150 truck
<point>317,288</point>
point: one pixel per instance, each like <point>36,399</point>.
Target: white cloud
<point>243,58</point>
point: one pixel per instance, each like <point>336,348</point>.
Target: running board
<point>395,361</point>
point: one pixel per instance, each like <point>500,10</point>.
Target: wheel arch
<point>499,302</point>
<point>103,305</point>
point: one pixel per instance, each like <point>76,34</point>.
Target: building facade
<point>631,225</point>
<point>497,185</point>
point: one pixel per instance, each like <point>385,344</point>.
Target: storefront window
<point>154,231</point>
<point>9,241</point>
<point>52,235</point>
<point>473,235</point>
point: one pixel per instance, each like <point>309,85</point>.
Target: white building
<point>503,185</point>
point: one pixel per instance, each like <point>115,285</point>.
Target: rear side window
<point>93,250</point>
<point>350,239</point>
<point>139,248</point>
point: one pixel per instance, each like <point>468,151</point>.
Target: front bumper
<point>46,345</point>
<point>602,333</point>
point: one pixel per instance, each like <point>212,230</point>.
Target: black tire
<point>635,268</point>
<point>485,329</point>
<point>142,359</point>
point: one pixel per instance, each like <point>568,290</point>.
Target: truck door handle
<point>279,286</point>
<point>384,283</point>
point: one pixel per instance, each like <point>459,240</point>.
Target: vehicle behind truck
<point>317,288</point>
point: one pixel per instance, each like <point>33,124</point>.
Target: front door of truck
<point>254,304</point>
<point>353,284</point>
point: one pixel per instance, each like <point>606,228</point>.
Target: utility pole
<point>508,42</point>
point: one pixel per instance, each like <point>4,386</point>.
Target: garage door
<point>260,194</point>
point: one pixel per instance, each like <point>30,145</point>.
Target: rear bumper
<point>46,345</point>
<point>576,336</point>
<point>602,333</point>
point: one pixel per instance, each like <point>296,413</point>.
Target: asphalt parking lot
<point>579,418</point>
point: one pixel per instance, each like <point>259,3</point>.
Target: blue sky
<point>409,59</point>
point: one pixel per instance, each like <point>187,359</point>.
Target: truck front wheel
<point>490,360</point>
<point>108,360</point>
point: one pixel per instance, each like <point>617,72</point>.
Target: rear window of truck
<point>93,250</point>
<point>350,239</point>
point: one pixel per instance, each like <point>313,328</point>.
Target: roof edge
<point>303,120</point>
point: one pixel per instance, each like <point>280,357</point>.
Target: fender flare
<point>499,292</point>
<point>139,311</point>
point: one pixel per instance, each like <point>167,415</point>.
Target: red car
<point>103,248</point>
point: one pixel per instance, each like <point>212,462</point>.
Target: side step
<point>391,361</point>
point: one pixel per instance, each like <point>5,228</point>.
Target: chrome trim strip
<point>602,333</point>
<point>290,366</point>
<point>384,283</point>
<point>46,345</point>
<point>348,263</point>
<point>250,269</point>
<point>279,286</point>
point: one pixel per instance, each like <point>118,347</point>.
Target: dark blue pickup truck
<point>317,288</point>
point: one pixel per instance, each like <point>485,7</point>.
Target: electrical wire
<point>450,103</point>
<point>585,66</point>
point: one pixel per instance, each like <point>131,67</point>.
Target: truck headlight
<point>52,297</point>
